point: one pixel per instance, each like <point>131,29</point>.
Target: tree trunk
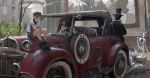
<point>20,16</point>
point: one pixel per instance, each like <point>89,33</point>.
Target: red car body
<point>103,51</point>
<point>36,63</point>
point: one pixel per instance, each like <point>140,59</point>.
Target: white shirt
<point>31,24</point>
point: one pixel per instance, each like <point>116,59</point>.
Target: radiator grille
<point>9,42</point>
<point>6,64</point>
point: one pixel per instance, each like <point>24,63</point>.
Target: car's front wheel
<point>59,69</point>
<point>120,65</point>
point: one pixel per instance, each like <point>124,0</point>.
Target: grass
<point>7,27</point>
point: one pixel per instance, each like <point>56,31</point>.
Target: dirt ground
<point>143,72</point>
<point>140,73</point>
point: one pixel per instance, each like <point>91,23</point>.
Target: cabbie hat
<point>37,14</point>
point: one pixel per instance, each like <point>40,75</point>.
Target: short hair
<point>37,14</point>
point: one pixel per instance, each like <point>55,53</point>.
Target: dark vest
<point>30,34</point>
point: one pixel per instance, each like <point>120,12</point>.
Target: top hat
<point>118,12</point>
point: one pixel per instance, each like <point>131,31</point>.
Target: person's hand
<point>64,29</point>
<point>45,32</point>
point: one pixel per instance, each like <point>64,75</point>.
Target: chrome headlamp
<point>26,45</point>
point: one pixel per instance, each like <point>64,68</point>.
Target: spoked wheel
<point>80,47</point>
<point>59,70</point>
<point>120,66</point>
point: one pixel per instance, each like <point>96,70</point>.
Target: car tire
<point>59,69</point>
<point>80,47</point>
<point>121,60</point>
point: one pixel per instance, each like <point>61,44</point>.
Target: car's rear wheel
<point>59,69</point>
<point>120,65</point>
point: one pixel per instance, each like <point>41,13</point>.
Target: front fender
<point>36,63</point>
<point>114,51</point>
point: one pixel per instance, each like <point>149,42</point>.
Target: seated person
<point>35,31</point>
<point>64,24</point>
<point>35,28</point>
<point>64,28</point>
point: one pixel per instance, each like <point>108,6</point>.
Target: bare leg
<point>43,44</point>
<point>44,33</point>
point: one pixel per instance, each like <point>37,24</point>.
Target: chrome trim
<point>17,65</point>
<point>15,68</point>
<point>25,55</point>
<point>7,64</point>
<point>12,39</point>
<point>7,34</point>
<point>0,42</point>
<point>4,69</point>
<point>24,42</point>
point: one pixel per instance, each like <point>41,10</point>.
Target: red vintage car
<point>83,46</point>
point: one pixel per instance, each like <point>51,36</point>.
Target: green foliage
<point>7,27</point>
